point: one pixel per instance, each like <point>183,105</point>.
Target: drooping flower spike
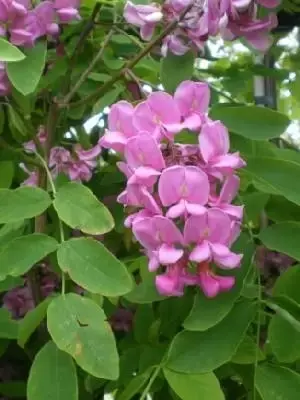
<point>180,195</point>
<point>204,18</point>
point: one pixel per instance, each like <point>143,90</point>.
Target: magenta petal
<point>144,175</point>
<point>144,231</point>
<point>208,284</point>
<point>233,211</point>
<point>164,108</point>
<point>113,140</point>
<point>213,140</point>
<point>192,97</point>
<point>177,210</point>
<point>193,122</point>
<point>195,209</point>
<point>154,263</point>
<point>229,162</point>
<point>226,282</point>
<point>168,286</point>
<point>224,257</point>
<point>169,255</point>
<point>143,150</point>
<point>218,226</point>
<point>229,189</point>
<point>120,118</point>
<point>167,230</point>
<point>147,31</point>
<point>194,229</point>
<point>201,252</point>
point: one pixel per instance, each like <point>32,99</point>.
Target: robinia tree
<point>149,207</point>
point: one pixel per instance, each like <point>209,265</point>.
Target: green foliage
<point>175,69</point>
<point>252,122</point>
<point>77,326</point>
<point>33,64</point>
<point>53,374</point>
<point>197,353</point>
<point>93,267</point>
<point>80,209</point>
<point>33,248</point>
<point>22,203</point>
<point>193,387</point>
<point>9,52</point>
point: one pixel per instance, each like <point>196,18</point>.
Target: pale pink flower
<point>192,99</point>
<point>212,284</point>
<point>120,127</point>
<point>159,236</point>
<point>214,148</point>
<point>144,16</point>
<point>227,194</point>
<point>211,233</point>
<point>157,115</point>
<point>185,189</point>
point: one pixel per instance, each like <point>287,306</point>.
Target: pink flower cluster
<point>181,193</point>
<point>229,18</point>
<point>77,164</point>
<point>19,301</point>
<point>23,24</point>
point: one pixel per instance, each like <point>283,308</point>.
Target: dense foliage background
<point>81,317</point>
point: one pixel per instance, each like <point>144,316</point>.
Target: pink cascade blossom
<point>5,86</point>
<point>78,164</point>
<point>205,18</point>
<point>179,195</point>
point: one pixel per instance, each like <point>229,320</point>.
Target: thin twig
<point>130,64</point>
<point>86,73</point>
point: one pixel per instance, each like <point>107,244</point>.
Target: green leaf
<point>11,231</point>
<point>284,338</point>
<point>256,123</point>
<point>52,376</point>
<point>194,387</point>
<point>197,352</point>
<point>135,385</point>
<point>22,203</point>
<point>31,321</point>
<point>9,52</point>
<point>107,99</point>
<point>13,389</point>
<point>20,254</point>
<point>208,312</point>
<point>254,204</point>
<point>279,175</point>
<point>33,64</point>
<point>144,292</point>
<point>8,327</point>
<point>283,237</point>
<point>247,352</point>
<point>6,174</point>
<point>93,267</point>
<point>280,209</point>
<point>10,283</point>
<point>277,383</point>
<point>143,319</point>
<point>78,326</point>
<point>77,206</point>
<point>175,69</point>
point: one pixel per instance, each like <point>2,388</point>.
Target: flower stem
<point>129,65</point>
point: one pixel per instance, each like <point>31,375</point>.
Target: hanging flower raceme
<point>78,164</point>
<point>181,194</point>
<point>205,18</point>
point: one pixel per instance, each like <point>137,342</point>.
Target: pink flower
<point>192,99</point>
<point>175,44</point>
<point>33,176</point>
<point>157,115</point>
<point>143,16</point>
<point>214,148</point>
<point>67,10</point>
<point>139,196</point>
<point>185,188</point>
<point>5,86</point>
<point>145,158</point>
<point>120,127</point>
<point>211,233</point>
<point>212,284</point>
<point>58,160</point>
<point>228,192</point>
<point>41,137</point>
<point>159,236</point>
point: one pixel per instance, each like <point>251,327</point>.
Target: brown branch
<point>130,64</point>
